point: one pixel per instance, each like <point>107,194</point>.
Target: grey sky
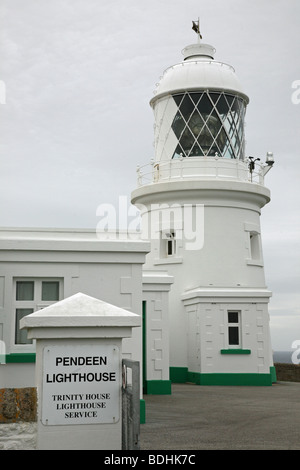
<point>79,75</point>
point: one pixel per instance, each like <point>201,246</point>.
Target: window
<point>168,243</point>
<point>209,124</point>
<point>21,335</point>
<point>255,246</point>
<point>171,247</point>
<point>234,329</point>
<point>25,290</point>
<point>50,290</point>
<point>32,295</point>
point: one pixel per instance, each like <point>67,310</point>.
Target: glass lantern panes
<point>209,124</point>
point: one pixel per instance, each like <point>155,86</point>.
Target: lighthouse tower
<point>200,202</point>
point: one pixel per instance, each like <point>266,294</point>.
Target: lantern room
<point>199,108</point>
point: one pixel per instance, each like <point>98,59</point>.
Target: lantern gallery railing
<point>203,168</point>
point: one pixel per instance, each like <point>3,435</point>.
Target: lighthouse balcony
<point>200,168</point>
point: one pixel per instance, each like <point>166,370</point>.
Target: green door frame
<point>144,346</point>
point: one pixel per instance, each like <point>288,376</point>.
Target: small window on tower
<point>233,328</point>
<point>253,250</point>
<point>255,245</point>
<point>171,243</point>
<point>168,243</point>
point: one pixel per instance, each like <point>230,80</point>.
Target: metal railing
<point>130,405</point>
<point>199,168</point>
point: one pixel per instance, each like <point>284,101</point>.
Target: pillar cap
<point>80,310</point>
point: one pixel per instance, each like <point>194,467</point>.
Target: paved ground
<point>196,417</point>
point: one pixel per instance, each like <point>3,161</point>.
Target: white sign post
<point>78,372</point>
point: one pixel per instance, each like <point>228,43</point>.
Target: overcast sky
<point>78,77</point>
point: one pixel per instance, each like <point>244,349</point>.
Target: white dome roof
<point>198,71</point>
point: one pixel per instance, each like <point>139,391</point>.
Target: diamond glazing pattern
<point>209,124</point>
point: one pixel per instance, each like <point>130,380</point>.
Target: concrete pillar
<point>78,372</point>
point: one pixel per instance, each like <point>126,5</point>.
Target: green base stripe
<point>142,411</point>
<point>178,374</point>
<point>230,379</point>
<point>235,351</point>
<point>194,377</point>
<point>20,358</point>
<point>158,387</point>
<point>183,375</point>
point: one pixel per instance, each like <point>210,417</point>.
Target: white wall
<point>156,287</point>
<point>224,260</point>
<point>110,270</point>
<point>207,319</point>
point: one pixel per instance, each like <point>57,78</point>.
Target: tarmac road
<point>223,418</point>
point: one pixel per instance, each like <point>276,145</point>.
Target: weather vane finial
<point>196,28</point>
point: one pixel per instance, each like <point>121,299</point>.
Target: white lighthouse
<point>201,202</point>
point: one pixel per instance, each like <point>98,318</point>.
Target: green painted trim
<point>273,374</point>
<point>230,379</point>
<point>144,345</point>
<point>183,375</point>
<point>178,374</point>
<point>235,351</point>
<point>158,387</point>
<point>142,411</point>
<point>20,358</point>
<point>194,377</point>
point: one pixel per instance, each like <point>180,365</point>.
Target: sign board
<point>81,384</point>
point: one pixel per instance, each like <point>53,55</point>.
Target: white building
<point>201,201</point>
<point>199,282</point>
<point>41,266</point>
